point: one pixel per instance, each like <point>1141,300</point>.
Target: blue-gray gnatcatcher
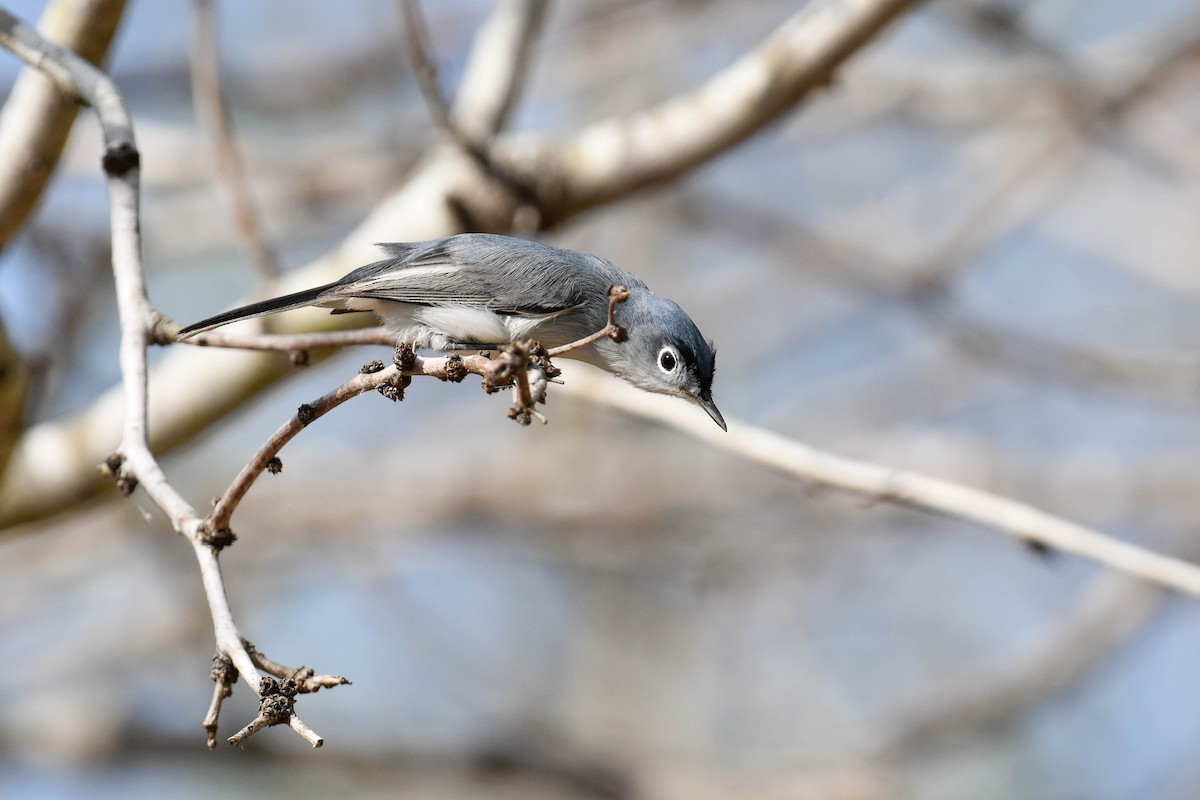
<point>479,291</point>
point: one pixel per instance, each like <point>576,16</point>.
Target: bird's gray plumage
<point>485,290</point>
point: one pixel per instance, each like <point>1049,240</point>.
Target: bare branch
<point>224,676</point>
<point>34,125</point>
<point>133,464</point>
<point>208,100</point>
<point>425,71</point>
<point>276,707</point>
<point>495,73</point>
<point>305,678</point>
<point>897,486</point>
<point>307,413</point>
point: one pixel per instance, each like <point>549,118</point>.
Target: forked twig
<point>306,678</point>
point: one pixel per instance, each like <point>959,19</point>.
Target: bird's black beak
<point>706,402</point>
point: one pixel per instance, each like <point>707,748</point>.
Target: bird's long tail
<point>259,309</point>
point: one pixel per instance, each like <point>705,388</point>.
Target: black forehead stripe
<point>703,371</point>
<point>689,355</point>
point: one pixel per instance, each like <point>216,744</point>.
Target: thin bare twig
<point>511,366</point>
<point>277,706</point>
<point>208,100</point>
<point>224,675</point>
<point>306,678</point>
<point>286,342</point>
<point>426,72</point>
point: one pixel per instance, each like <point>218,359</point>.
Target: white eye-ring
<point>667,360</point>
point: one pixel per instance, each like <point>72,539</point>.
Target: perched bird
<point>479,291</point>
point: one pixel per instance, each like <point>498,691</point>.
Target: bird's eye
<point>666,360</point>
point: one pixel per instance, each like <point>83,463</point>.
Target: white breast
<point>440,327</point>
<point>464,324</point>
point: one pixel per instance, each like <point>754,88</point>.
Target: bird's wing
<point>526,280</point>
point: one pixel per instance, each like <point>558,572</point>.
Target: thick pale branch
<point>497,69</point>
<point>901,487</point>
<point>37,116</point>
<point>618,156</point>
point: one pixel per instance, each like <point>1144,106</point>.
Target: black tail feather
<point>261,308</point>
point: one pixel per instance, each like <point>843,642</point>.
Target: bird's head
<point>665,352</point>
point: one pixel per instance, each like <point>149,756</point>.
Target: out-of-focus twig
<point>1108,612</point>
<point>208,100</point>
<point>14,385</point>
<point>287,342</point>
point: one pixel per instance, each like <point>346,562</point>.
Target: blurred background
<point>974,256</point>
